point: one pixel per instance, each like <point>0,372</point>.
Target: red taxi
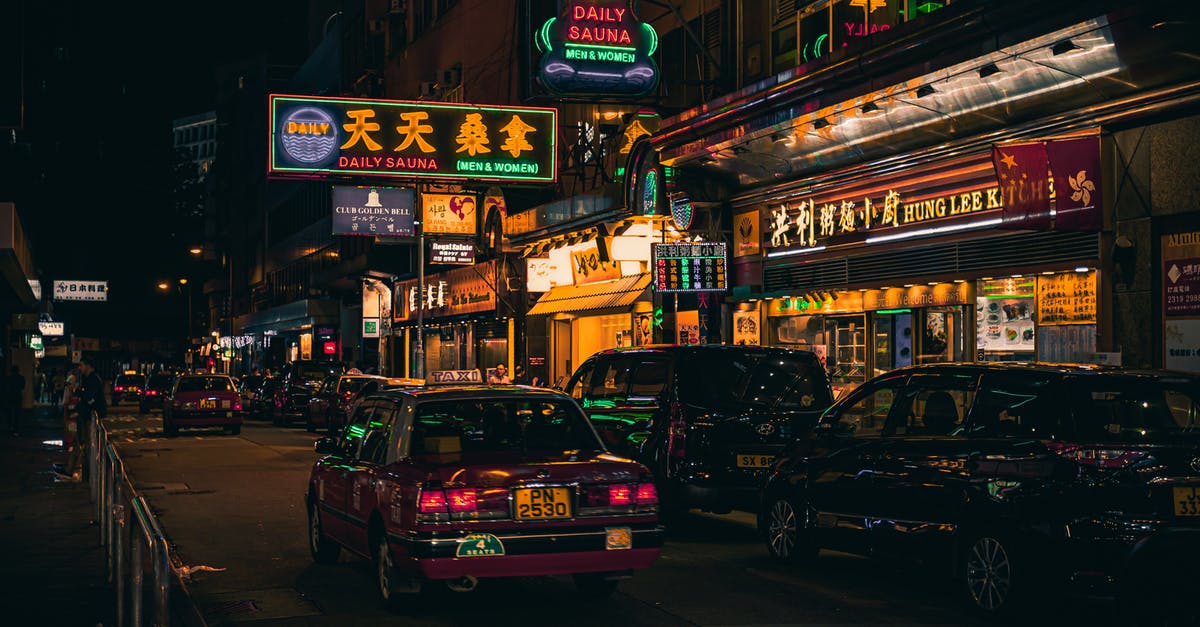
<point>203,400</point>
<point>459,483</point>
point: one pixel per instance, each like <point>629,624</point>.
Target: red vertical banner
<point>1022,171</point>
<point>1075,166</point>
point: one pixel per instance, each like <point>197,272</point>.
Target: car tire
<point>386,576</point>
<point>788,534</point>
<point>323,549</point>
<point>989,573</point>
<point>595,585</point>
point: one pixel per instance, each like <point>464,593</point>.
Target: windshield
<point>1123,408</point>
<point>514,424</point>
<point>160,381</point>
<point>204,384</point>
<point>128,379</point>
<point>352,385</point>
<point>313,373</point>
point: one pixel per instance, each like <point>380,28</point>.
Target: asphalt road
<point>233,509</point>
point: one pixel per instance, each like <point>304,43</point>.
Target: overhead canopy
<point>622,292</point>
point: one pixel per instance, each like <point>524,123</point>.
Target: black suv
<point>1009,477</point>
<point>158,390</point>
<point>709,420</point>
<point>297,384</point>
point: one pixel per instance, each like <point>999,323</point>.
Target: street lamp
<point>166,286</point>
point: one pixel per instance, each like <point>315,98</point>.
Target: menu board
<point>689,267</point>
<point>1004,316</point>
<point>1067,298</point>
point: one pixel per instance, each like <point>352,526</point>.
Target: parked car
<point>247,386</point>
<point>128,386</point>
<point>1005,476</point>
<point>261,399</point>
<point>328,405</point>
<point>709,420</point>
<point>208,400</point>
<point>460,483</point>
<point>158,390</point>
<point>297,383</point>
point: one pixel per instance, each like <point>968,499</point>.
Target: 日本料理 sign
<point>52,329</point>
<point>689,267</point>
<point>382,211</point>
<point>81,290</point>
<point>313,136</point>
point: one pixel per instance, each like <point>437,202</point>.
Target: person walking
<point>14,391</point>
<point>89,405</point>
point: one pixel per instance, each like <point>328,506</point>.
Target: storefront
<point>305,329</point>
<point>462,327</point>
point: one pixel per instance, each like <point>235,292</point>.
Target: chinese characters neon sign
<point>312,136</point>
<point>598,47</point>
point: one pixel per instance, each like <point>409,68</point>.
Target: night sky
<point>92,184</point>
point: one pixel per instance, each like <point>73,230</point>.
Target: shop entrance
<point>893,340</point>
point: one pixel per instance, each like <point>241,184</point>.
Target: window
<point>1133,408</point>
<point>501,424</point>
<point>204,384</point>
<point>379,428</point>
<point>866,413</point>
<point>357,428</point>
<point>650,378</point>
<point>611,379</point>
<point>934,405</point>
<point>788,384</point>
<point>715,378</point>
<point>353,385</point>
<point>581,383</point>
<point>1015,405</point>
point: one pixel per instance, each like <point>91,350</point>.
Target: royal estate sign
<point>313,136</point>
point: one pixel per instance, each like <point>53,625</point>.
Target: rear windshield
<point>251,382</point>
<point>129,379</point>
<point>159,381</point>
<point>501,425</point>
<point>352,385</point>
<point>204,384</point>
<point>313,372</point>
<point>729,378</point>
<point>1132,408</point>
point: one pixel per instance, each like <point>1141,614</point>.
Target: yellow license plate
<point>543,503</point>
<point>208,403</point>
<point>1187,501</point>
<point>755,461</point>
<point>618,538</point>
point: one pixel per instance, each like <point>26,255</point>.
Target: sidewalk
<point>53,569</point>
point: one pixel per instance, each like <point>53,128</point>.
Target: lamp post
<point>182,287</point>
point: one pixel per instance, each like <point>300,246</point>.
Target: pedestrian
<point>499,376</point>
<point>14,391</point>
<point>90,406</point>
<point>57,381</point>
<point>519,377</point>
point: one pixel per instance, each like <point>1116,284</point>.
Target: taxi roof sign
<point>454,377</point>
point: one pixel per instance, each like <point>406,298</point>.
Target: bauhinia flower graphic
<point>1082,186</point>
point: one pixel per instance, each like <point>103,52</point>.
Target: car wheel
<point>987,570</point>
<point>595,585</point>
<point>788,536</point>
<point>234,430</point>
<point>386,577</point>
<point>323,549</point>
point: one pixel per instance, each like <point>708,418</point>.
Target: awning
<point>293,316</point>
<point>573,298</point>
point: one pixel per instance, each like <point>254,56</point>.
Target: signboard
<point>52,329</point>
<point>448,213</point>
<point>689,267</point>
<point>462,253</point>
<point>745,328</point>
<point>1181,274</point>
<point>746,234</point>
<point>1182,339</point>
<point>1004,312</point>
<point>383,211</point>
<point>451,377</point>
<point>586,266</point>
<point>543,273</point>
<point>395,138</point>
<point>81,290</point>
<point>370,327</point>
<point>35,341</point>
<point>597,47</point>
<point>450,293</point>
<point>1068,298</point>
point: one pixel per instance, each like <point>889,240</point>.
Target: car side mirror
<point>326,446</point>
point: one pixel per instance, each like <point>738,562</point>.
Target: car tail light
<point>432,502</point>
<point>118,388</point>
<point>619,495</point>
<point>677,431</point>
<point>151,392</point>
<point>1096,456</point>
<point>237,406</point>
<point>647,494</point>
<point>622,498</point>
<point>461,500</point>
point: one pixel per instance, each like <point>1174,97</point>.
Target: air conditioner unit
<point>428,88</point>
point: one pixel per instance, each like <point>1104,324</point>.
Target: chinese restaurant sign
<point>81,290</point>
<point>450,293</point>
<point>586,266</point>
<point>448,213</point>
<point>313,136</point>
<point>809,223</point>
<point>383,211</point>
<point>689,267</point>
<point>1068,298</point>
<point>597,47</point>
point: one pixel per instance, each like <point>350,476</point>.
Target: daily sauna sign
<point>597,47</point>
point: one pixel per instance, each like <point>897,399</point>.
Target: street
<point>232,508</point>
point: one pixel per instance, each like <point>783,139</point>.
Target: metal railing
<point>128,530</point>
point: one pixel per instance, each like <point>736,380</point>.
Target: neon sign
<point>313,136</point>
<point>598,46</point>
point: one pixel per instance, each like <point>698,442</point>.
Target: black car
<point>1007,477</point>
<point>158,391</point>
<point>709,420</point>
<point>297,384</point>
<point>127,386</point>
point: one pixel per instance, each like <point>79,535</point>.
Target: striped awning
<point>622,292</point>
